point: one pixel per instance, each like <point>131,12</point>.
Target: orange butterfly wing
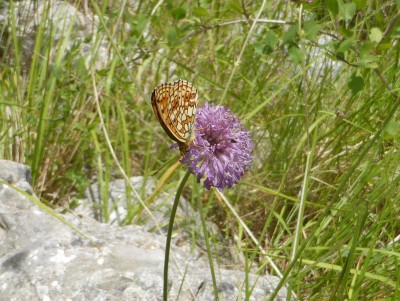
<point>175,107</point>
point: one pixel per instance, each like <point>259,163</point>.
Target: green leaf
<point>375,35</point>
<point>366,48</point>
<point>392,130</point>
<point>172,35</point>
<point>290,35</point>
<point>385,46</point>
<point>270,39</point>
<point>397,4</point>
<point>311,29</point>
<point>333,6</point>
<point>169,5</point>
<point>201,12</point>
<point>266,46</point>
<point>347,11</point>
<point>396,33</point>
<point>345,45</point>
<point>368,61</point>
<point>260,48</point>
<point>380,18</point>
<point>220,48</point>
<point>361,4</point>
<point>356,84</point>
<point>350,10</point>
<point>295,54</point>
<point>179,13</point>
<point>141,22</point>
<point>345,31</point>
<point>233,5</point>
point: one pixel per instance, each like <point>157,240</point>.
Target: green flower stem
<point>169,234</point>
<point>210,257</point>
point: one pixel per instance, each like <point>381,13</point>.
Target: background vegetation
<point>317,84</point>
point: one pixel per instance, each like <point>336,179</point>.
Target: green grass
<point>319,94</point>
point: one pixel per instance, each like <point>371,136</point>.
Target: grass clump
<point>317,84</point>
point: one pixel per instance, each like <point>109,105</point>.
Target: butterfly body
<point>175,107</point>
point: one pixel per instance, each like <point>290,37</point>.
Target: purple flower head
<point>222,147</point>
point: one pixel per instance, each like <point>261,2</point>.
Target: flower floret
<point>222,148</point>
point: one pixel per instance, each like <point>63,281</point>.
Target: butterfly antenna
<point>169,161</point>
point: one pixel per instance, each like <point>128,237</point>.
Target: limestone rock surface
<point>41,258</point>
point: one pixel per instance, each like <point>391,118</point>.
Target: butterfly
<point>175,107</point>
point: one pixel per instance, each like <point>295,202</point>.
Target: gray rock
<point>187,223</point>
<point>63,21</point>
<point>43,259</point>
